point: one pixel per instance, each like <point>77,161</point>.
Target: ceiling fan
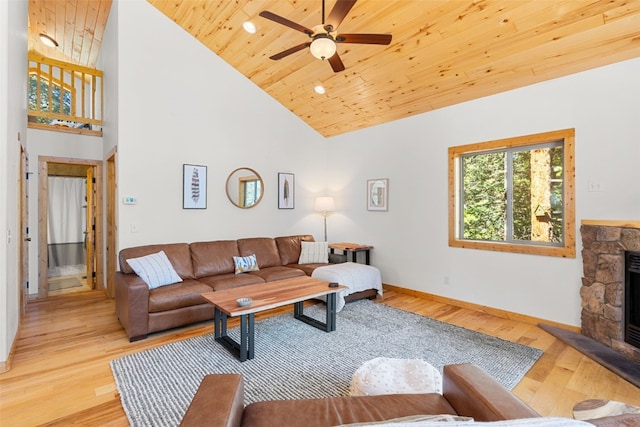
<point>325,36</point>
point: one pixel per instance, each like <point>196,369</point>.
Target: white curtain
<point>66,222</point>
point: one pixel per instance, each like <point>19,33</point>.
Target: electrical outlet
<point>446,280</point>
<point>595,186</point>
<point>134,228</point>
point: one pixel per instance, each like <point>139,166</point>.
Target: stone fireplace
<point>604,244</point>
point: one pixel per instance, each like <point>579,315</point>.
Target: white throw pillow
<point>314,253</point>
<point>155,269</point>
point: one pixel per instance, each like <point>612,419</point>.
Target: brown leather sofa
<point>203,267</point>
<point>467,391</point>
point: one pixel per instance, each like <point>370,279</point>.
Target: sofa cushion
<point>307,268</point>
<point>211,258</point>
<point>245,264</point>
<point>178,253</point>
<point>271,274</point>
<point>289,247</point>
<point>155,269</point>
<point>264,248</point>
<point>231,280</point>
<point>178,295</point>
<point>343,410</point>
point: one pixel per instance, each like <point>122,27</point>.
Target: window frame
<point>568,248</point>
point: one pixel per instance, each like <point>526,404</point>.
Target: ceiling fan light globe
<point>323,48</point>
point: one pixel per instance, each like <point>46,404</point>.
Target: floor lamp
<point>325,205</point>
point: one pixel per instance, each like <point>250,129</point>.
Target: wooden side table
<point>352,249</point>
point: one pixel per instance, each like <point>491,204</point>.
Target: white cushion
<point>413,419</point>
<point>384,375</point>
<point>529,422</point>
<point>245,263</point>
<point>155,269</point>
<point>314,253</point>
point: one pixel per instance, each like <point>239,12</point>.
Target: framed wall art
<point>378,194</point>
<point>286,191</point>
<point>194,187</point>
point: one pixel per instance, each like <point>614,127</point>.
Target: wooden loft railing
<point>64,97</point>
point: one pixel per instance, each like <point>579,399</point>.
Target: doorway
<point>70,226</point>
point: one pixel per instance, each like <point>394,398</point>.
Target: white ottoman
<point>357,277</point>
<point>383,375</point>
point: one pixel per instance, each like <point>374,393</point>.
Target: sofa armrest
<point>219,402</point>
<point>132,305</point>
<point>474,393</point>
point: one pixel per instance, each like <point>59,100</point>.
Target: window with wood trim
<point>514,195</point>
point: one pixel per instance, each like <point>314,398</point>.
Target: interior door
<point>89,233</point>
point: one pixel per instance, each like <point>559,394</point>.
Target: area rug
<point>294,360</point>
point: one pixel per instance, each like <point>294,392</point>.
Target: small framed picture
<point>286,191</point>
<point>378,194</point>
<point>194,187</point>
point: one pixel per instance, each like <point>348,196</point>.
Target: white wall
<point>180,104</point>
<point>13,122</point>
<point>411,241</point>
<point>52,144</point>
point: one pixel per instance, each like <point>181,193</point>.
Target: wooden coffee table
<point>265,296</point>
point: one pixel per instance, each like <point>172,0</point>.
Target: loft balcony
<point>64,97</point>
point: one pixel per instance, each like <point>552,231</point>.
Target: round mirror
<point>244,188</point>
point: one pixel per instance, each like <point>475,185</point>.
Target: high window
<point>514,195</point>
<point>64,97</point>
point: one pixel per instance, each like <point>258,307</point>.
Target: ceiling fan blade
<point>384,39</point>
<point>289,51</point>
<point>339,12</point>
<point>336,63</point>
<point>284,21</point>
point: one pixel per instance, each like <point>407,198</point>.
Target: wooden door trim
<point>23,206</point>
<point>111,221</point>
<point>43,204</point>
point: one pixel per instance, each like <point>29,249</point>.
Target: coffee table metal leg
<point>330,320</point>
<point>220,324</point>
<point>244,349</point>
<point>331,312</point>
<point>247,334</point>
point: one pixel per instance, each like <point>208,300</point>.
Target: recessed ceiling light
<point>48,40</point>
<point>319,89</point>
<point>249,27</point>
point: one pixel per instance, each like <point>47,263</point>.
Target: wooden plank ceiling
<point>77,26</point>
<point>443,52</point>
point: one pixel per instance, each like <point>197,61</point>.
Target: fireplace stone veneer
<point>604,244</point>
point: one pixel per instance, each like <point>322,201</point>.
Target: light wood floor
<point>60,372</point>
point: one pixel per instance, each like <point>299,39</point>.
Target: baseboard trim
<point>6,365</point>
<point>503,314</point>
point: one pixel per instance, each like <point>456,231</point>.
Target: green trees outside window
<point>514,195</point>
<point>60,98</point>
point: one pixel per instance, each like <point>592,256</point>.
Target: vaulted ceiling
<point>443,52</point>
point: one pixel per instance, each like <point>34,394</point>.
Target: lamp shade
<point>323,48</point>
<point>325,204</point>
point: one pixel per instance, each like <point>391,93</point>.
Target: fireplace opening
<point>632,299</point>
